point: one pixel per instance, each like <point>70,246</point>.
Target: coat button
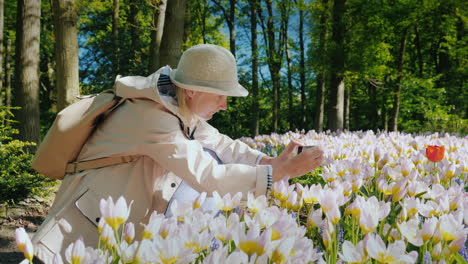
<point>97,219</point>
<point>173,185</point>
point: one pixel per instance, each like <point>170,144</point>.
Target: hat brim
<point>239,91</point>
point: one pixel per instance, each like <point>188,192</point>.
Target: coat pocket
<point>88,205</point>
<point>69,224</point>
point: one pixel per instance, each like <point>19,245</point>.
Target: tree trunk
<point>373,105</point>
<point>232,29</point>
<point>253,34</point>
<point>418,49</point>
<point>274,57</point>
<point>187,24</point>
<point>2,19</point>
<point>302,69</point>
<point>320,108</point>
<point>289,73</point>
<point>396,96</point>
<point>337,63</point>
<point>135,56</point>
<point>229,16</point>
<point>159,13</point>
<point>173,34</point>
<point>204,17</point>
<point>322,73</point>
<point>347,101</point>
<point>8,76</point>
<point>115,37</point>
<point>27,69</point>
<point>290,87</point>
<point>66,52</point>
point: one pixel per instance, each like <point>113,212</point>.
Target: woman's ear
<point>189,93</point>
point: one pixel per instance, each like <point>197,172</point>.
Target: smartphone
<point>302,148</point>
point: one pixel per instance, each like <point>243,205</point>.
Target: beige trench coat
<point>145,125</point>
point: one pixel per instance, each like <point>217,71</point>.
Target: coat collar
<point>155,87</point>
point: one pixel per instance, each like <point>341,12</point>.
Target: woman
<point>180,154</point>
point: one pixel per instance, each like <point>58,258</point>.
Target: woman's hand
<point>286,164</point>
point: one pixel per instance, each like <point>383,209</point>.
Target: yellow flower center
<point>168,260</point>
<point>275,235</point>
<point>147,234</point>
<point>447,236</point>
<point>251,247</point>
<point>383,258</point>
<point>76,259</point>
<point>114,222</point>
<point>277,257</point>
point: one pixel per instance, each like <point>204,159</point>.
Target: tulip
<point>294,201</point>
<point>172,250</point>
<point>449,227</point>
<point>281,190</point>
<point>265,218</point>
<point>197,241</point>
<point>256,204</point>
<point>222,256</point>
<point>458,242</point>
<point>197,203</point>
<point>353,254</point>
<point>23,242</point>
<point>315,218</point>
<point>28,250</point>
<point>76,252</point>
<point>394,253</point>
<point>311,194</point>
<point>410,230</point>
<point>146,253</point>
<point>168,227</point>
<point>428,228</point>
<point>128,251</point>
<point>180,210</point>
<point>435,153</point>
<point>153,226</point>
<point>107,236</point>
<point>282,252</point>
<point>436,252</point>
<point>253,242</point>
<point>129,232</point>
<point>223,229</point>
<point>115,214</point>
<point>286,226</point>
<point>21,237</point>
<point>227,203</point>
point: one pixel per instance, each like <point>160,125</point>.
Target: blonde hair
<point>184,110</point>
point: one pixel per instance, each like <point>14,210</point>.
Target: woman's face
<point>205,105</point>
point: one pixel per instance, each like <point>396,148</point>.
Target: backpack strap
<point>77,166</point>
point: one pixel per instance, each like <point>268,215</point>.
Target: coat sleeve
<point>227,149</point>
<point>163,141</point>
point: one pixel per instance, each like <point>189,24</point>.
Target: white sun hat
<point>208,68</point>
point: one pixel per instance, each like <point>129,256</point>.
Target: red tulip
<point>435,153</point>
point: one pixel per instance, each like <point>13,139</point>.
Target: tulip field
<point>377,198</point>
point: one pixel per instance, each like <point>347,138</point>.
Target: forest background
<point>394,65</point>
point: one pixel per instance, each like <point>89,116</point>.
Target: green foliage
<point>436,55</point>
<point>17,179</point>
<point>310,178</point>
